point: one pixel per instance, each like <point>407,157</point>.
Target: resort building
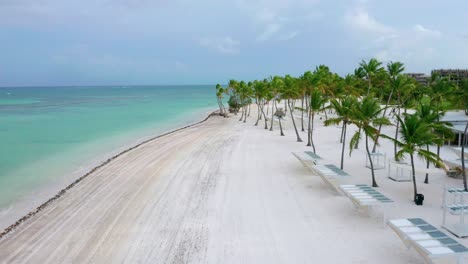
<point>422,78</point>
<point>455,75</point>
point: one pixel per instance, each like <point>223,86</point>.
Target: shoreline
<point>62,191</point>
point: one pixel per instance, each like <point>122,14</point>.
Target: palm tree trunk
<point>294,122</point>
<point>343,146</point>
<point>396,131</point>
<point>380,126</point>
<point>415,188</point>
<point>312,133</point>
<point>272,115</point>
<point>225,113</point>
<point>325,111</point>
<point>374,183</point>
<point>259,107</point>
<point>264,116</point>
<point>259,114</point>
<point>342,133</point>
<point>220,109</point>
<point>249,110</point>
<point>281,127</point>
<point>309,130</point>
<point>438,146</point>
<point>245,115</point>
<point>302,114</point>
<point>242,115</point>
<point>426,180</point>
<point>463,158</point>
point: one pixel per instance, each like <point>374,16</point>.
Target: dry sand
<point>221,192</point>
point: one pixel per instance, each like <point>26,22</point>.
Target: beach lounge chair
<point>331,175</point>
<point>455,202</point>
<point>431,243</point>
<point>457,205</point>
<point>307,158</point>
<point>364,196</point>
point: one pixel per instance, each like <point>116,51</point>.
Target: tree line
<point>365,99</point>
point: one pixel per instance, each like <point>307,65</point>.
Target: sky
<point>149,42</point>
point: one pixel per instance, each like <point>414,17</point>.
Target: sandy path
<point>219,192</point>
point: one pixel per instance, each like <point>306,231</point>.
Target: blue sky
<point>104,42</point>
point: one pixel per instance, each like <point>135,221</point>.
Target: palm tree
<point>290,92</point>
<point>219,96</point>
<point>267,97</point>
<point>461,96</point>
<point>232,89</point>
<point>371,69</point>
<point>347,86</point>
<point>343,108</point>
<point>431,115</point>
<point>324,81</point>
<point>368,70</point>
<point>366,115</point>
<point>359,82</point>
<point>245,92</point>
<point>403,87</point>
<point>310,80</point>
<point>277,86</point>
<point>241,88</point>
<point>416,134</point>
<point>394,69</point>
<point>440,89</point>
<point>258,90</point>
<point>316,104</point>
<point>273,92</point>
<point>304,87</point>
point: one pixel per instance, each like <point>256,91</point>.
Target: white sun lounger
<point>307,158</point>
<point>364,196</point>
<point>331,175</point>
<point>457,205</point>
<point>431,243</point>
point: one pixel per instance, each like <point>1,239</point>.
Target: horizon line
<point>103,85</point>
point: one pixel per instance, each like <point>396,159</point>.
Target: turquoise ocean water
<point>46,132</point>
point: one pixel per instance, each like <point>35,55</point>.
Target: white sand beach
<point>224,192</point>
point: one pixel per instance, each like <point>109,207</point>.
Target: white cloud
<point>224,45</point>
<point>417,45</point>
<point>420,29</point>
<point>362,22</point>
<point>270,30</point>
<point>279,19</point>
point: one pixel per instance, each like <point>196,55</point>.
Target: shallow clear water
<point>46,132</point>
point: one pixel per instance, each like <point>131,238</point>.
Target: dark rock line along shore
<point>64,190</point>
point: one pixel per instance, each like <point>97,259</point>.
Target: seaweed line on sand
<point>64,190</point>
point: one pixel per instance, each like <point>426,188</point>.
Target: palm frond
<point>333,121</point>
<point>430,156</point>
<point>354,140</point>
